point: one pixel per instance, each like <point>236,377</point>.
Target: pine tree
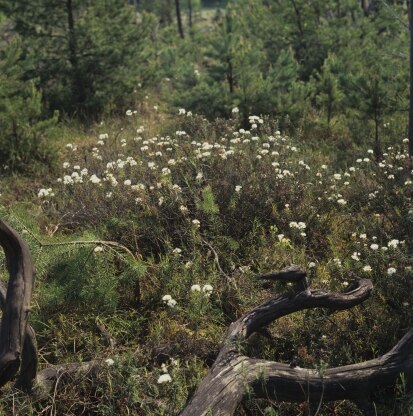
<point>327,90</point>
<point>88,55</point>
<point>23,131</point>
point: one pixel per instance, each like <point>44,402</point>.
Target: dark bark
<point>18,348</point>
<point>190,14</point>
<point>365,7</point>
<point>230,68</point>
<point>28,368</point>
<point>369,6</point>
<point>299,22</point>
<point>377,144</point>
<point>232,374</point>
<point>230,75</point>
<point>77,80</point>
<point>410,133</point>
<point>179,19</point>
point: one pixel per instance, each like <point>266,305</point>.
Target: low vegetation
<point>156,237</point>
<point>154,174</point>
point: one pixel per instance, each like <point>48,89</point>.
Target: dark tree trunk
<point>369,6</point>
<point>377,144</point>
<point>179,19</point>
<point>77,80</point>
<point>299,22</point>
<point>410,133</point>
<point>230,76</point>
<point>365,7</point>
<point>190,14</point>
<point>329,110</point>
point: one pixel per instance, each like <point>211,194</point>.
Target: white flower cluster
<point>165,377</point>
<point>206,289</point>
<point>253,120</point>
<point>109,362</point>
<point>169,301</point>
<point>196,223</point>
<point>391,271</point>
<point>298,225</point>
<point>44,193</point>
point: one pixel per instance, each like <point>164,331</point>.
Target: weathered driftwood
<point>233,374</point>
<point>48,378</point>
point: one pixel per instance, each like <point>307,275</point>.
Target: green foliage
<point>323,66</point>
<point>241,73</point>
<point>83,280</point>
<point>328,92</point>
<point>88,56</point>
<point>156,224</point>
<point>23,131</point>
<point>207,203</point>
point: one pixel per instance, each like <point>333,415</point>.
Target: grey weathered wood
<point>233,374</point>
<point>291,273</point>
<point>29,358</point>
<point>17,305</point>
<point>18,348</point>
<point>29,361</point>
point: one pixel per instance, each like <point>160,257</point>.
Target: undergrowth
<point>155,233</point>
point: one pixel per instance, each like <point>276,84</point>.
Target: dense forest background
<point>156,155</point>
<point>330,68</point>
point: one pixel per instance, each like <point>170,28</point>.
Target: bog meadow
<point>217,199</point>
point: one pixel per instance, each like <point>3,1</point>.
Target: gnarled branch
<point>18,348</point>
<point>233,374</point>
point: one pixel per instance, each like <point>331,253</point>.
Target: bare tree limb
<point>228,278</point>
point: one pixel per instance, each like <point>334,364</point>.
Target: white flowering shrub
<point>180,216</point>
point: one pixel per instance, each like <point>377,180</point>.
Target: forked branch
<point>233,374</point>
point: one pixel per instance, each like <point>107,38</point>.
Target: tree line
<point>337,68</point>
